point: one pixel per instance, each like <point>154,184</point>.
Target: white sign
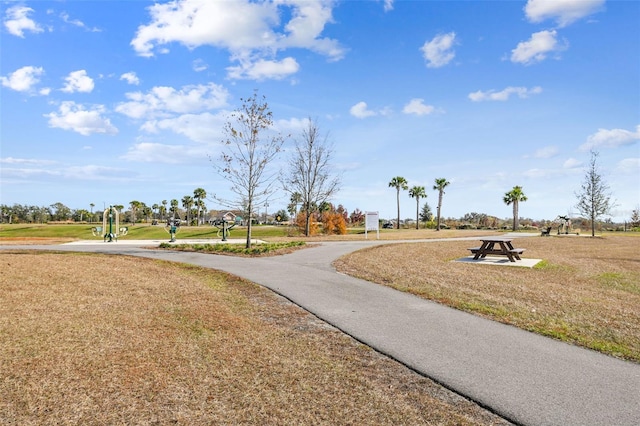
<point>371,223</point>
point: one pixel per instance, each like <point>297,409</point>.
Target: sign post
<point>372,223</point>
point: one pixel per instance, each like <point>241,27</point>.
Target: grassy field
<point>585,291</point>
<point>70,232</point>
<point>91,339</point>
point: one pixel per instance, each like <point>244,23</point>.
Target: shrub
<point>333,223</point>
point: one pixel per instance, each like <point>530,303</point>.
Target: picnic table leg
<point>513,253</point>
<point>481,250</point>
<point>505,251</point>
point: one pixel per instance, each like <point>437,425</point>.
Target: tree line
<point>250,147</point>
<point>593,200</point>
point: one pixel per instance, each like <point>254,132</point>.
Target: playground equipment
<point>223,225</point>
<point>172,227</point>
<point>564,226</point>
<point>111,217</point>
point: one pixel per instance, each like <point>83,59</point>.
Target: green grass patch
<point>238,249</point>
<point>629,281</point>
<point>139,231</point>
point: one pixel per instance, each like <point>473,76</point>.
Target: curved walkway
<point>526,378</point>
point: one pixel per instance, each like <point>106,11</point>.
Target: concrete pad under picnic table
<point>499,261</point>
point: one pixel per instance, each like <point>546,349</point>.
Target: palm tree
<point>398,183</point>
<point>514,197</point>
<point>199,194</point>
<point>92,206</point>
<point>135,205</point>
<point>174,207</point>
<point>417,192</point>
<point>187,203</point>
<point>441,183</point>
<point>294,200</point>
<point>164,209</point>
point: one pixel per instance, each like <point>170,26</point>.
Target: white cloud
<point>546,152</point>
<point>17,21</point>
<point>75,117</point>
<point>629,166</point>
<point>78,81</point>
<point>262,69</point>
<point>202,128</point>
<point>416,106</point>
<point>536,48</point>
<point>388,5</point>
<point>360,110</point>
<point>163,101</point>
<point>199,65</point>
<point>247,29</point>
<point>505,94</point>
<point>76,22</point>
<point>148,152</point>
<point>439,51</point>
<point>613,138</point>
<point>563,12</point>
<point>23,79</point>
<point>11,160</point>
<point>131,78</point>
<point>572,163</point>
<point>93,172</point>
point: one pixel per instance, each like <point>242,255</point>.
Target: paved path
<point>526,378</point>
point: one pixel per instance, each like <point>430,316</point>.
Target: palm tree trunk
<point>439,205</point>
<point>398,204</point>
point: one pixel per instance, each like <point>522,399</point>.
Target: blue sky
<point>106,102</point>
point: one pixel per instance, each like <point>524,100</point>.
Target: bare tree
<point>594,199</point>
<point>245,160</point>
<point>310,178</point>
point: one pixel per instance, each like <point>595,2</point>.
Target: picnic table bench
<point>497,246</point>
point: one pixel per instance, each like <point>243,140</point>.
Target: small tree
<point>333,223</point>
<point>594,198</point>
<point>245,162</point>
<point>356,217</point>
<point>281,216</point>
<point>425,213</point>
<point>515,196</point>
<point>310,179</point>
<point>635,217</point>
<point>441,184</point>
<point>417,192</point>
<point>398,183</point>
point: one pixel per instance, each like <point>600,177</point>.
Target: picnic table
<point>497,246</point>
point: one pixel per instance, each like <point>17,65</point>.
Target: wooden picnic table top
<point>496,239</point>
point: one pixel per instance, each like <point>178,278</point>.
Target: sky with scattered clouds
<point>107,102</point>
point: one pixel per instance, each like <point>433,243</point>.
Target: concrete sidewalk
<point>526,378</point>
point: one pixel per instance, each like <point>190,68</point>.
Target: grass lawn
<point>95,339</point>
<point>55,233</point>
<point>586,291</point>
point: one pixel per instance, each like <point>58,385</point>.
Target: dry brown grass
<point>33,240</point>
<point>91,339</point>
<point>587,290</point>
